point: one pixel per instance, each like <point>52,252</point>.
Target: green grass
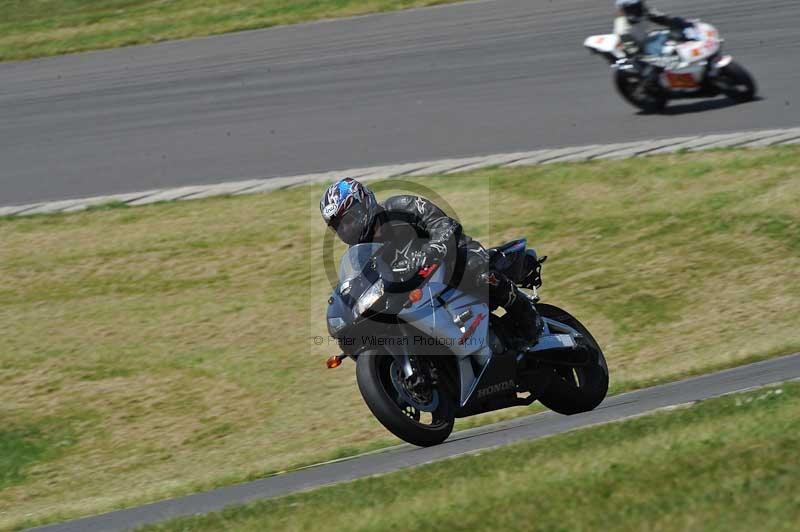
<point>25,445</point>
<point>35,28</point>
<point>725,464</point>
<point>180,334</point>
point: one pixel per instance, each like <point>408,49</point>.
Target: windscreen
<point>355,259</point>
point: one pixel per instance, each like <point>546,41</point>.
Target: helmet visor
<point>350,225</point>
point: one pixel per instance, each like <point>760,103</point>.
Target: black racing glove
<point>681,29</point>
<point>428,254</point>
<point>681,23</point>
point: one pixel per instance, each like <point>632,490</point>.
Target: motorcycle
<point>427,352</point>
<point>691,69</point>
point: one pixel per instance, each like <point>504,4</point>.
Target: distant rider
<point>632,24</point>
<point>351,210</point>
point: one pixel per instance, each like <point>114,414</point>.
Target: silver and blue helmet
<point>349,208</point>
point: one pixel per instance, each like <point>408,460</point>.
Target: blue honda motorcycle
<point>428,352</point>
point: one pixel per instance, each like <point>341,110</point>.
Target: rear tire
<point>398,416</point>
<point>736,82</point>
<point>579,389</point>
<point>630,90</point>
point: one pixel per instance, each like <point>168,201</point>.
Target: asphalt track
<point>470,441</point>
<point>485,77</point>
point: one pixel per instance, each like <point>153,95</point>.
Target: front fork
<point>645,81</point>
<point>403,359</point>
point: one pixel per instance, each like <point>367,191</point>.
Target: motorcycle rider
<point>351,210</point>
<point>632,21</point>
<point>632,25</point>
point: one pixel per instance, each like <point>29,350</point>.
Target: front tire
<point>736,82</point>
<point>632,91</point>
<point>404,420</point>
<point>578,389</point>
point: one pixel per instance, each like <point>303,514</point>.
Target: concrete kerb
<point>16,210</point>
<point>742,139</point>
<point>168,195</point>
<point>578,155</point>
<point>539,156</point>
<point>771,140</point>
<point>596,152</point>
<point>449,165</point>
<point>225,189</point>
<point>746,139</point>
<point>491,160</point>
<point>53,206</point>
<point>104,200</point>
<point>693,144</point>
<point>644,147</point>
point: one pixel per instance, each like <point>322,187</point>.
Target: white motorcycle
<point>685,69</point>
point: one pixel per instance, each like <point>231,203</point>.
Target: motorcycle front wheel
<point>736,82</point>
<point>420,419</point>
<point>634,92</point>
<point>581,388</point>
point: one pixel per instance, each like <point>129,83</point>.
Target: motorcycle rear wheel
<point>578,389</point>
<point>404,420</point>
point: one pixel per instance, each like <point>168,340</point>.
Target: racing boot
<point>527,322</point>
<point>504,293</point>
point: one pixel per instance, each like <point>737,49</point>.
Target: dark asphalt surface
<point>536,426</point>
<point>471,79</point>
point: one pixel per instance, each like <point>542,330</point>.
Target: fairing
<point>445,321</point>
<point>605,44</point>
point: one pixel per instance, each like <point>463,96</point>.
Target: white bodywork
<point>705,44</point>
<point>690,59</point>
<point>685,63</point>
<point>606,44</point>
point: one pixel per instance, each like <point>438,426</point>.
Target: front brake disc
<point>397,381</point>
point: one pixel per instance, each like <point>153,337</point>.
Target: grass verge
<point>725,464</point>
<point>173,335</point>
<point>35,28</point>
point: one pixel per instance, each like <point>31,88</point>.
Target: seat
<point>509,247</point>
<point>509,258</point>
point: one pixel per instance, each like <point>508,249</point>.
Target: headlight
<point>368,298</point>
<point>335,325</point>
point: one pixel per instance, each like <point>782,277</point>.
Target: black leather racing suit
<point>409,222</point>
<point>639,31</point>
